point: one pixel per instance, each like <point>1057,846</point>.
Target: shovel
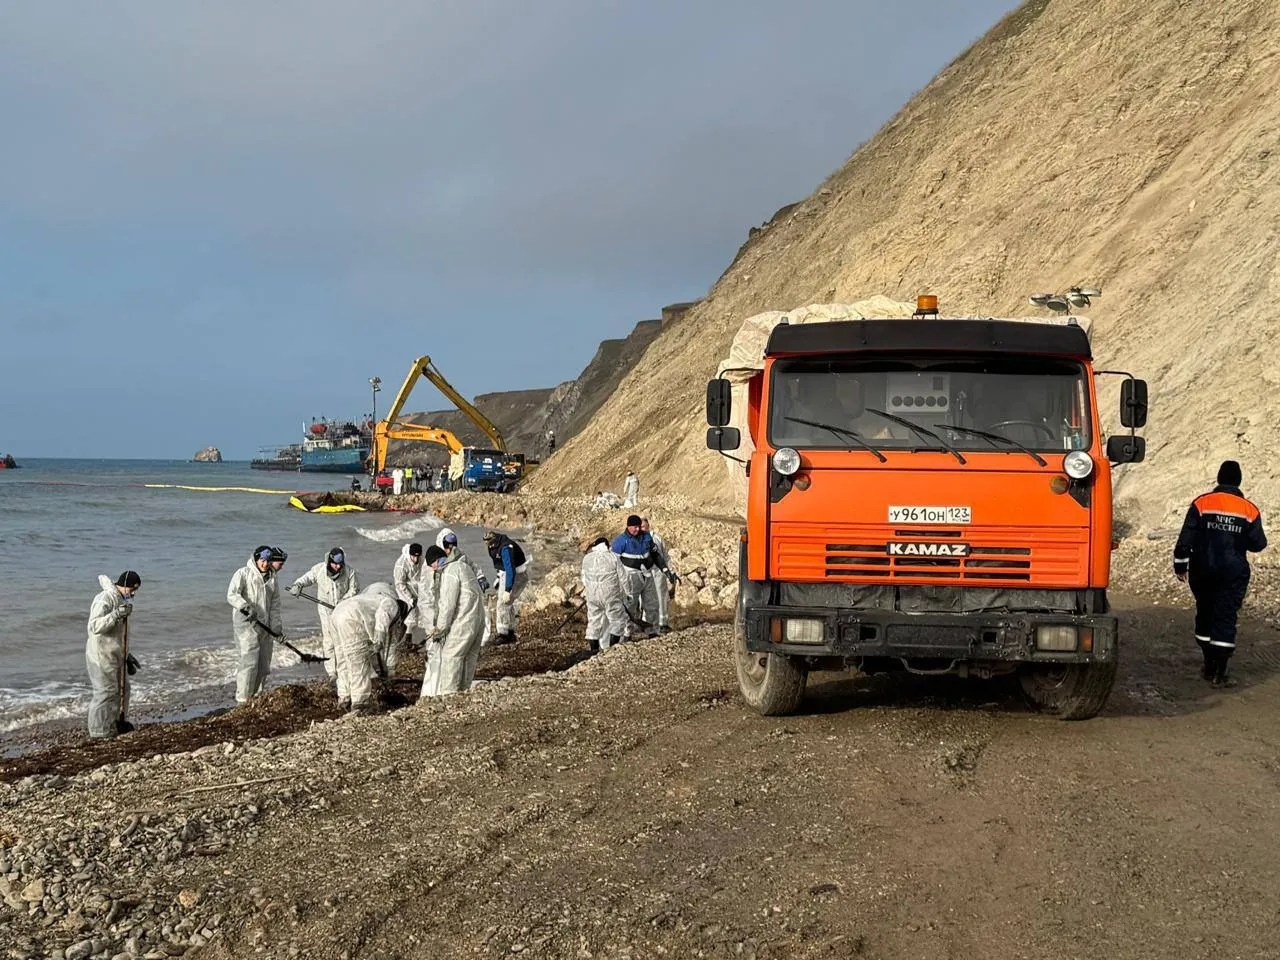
<point>303,656</point>
<point>323,603</point>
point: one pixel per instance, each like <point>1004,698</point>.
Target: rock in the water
<point>208,455</point>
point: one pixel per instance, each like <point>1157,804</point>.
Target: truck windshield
<point>1034,403</point>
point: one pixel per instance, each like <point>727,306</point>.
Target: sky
<point>218,220</point>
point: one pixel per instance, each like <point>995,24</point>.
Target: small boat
<point>286,458</point>
<point>8,463</point>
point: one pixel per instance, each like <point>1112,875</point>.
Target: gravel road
<point>630,806</point>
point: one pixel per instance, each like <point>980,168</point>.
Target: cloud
<point>324,165</point>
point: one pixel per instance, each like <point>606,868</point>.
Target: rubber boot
<point>1207,671</point>
<point>124,726</point>
<point>614,639</point>
<point>1220,677</point>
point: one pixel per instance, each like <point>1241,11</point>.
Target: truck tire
<point>772,685</point>
<point>1076,691</point>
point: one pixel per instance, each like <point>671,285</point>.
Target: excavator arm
<point>391,429</point>
<point>423,367</point>
<point>386,431</point>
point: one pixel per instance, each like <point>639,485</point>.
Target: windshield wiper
<point>919,431</point>
<point>841,432</point>
<point>992,438</point>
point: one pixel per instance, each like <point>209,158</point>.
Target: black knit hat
<point>415,549</point>
<point>1229,474</point>
<point>129,580</point>
<point>633,520</point>
<point>433,554</point>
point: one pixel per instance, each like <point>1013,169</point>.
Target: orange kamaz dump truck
<point>924,494</point>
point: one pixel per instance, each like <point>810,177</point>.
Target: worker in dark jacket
<point>511,568</point>
<point>1221,529</point>
<point>634,547</point>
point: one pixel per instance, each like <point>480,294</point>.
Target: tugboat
<point>8,463</point>
<point>337,446</point>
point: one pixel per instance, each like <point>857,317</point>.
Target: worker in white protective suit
<point>255,617</point>
<point>630,490</point>
<point>107,657</point>
<point>333,580</point>
<point>663,576</point>
<point>605,500</point>
<point>453,648</point>
<point>603,577</point>
<point>365,627</point>
<point>408,579</point>
<point>447,541</point>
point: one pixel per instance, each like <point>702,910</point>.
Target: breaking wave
<point>406,530</point>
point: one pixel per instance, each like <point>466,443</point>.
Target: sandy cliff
<point>1131,146</point>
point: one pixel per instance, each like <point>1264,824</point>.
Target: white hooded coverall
<point>408,578</point>
<point>330,590</point>
<point>365,627</point>
<point>251,597</point>
<point>602,578</point>
<point>453,653</point>
<point>660,585</point>
<point>428,582</point>
<point>104,657</point>
<point>630,490</point>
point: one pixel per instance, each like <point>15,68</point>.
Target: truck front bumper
<point>1040,637</point>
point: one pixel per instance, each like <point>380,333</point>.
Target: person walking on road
<point>1220,530</point>
<point>453,647</point>
<point>511,567</point>
<point>603,576</point>
<point>255,615</point>
<point>107,657</point>
<point>630,490</point>
<point>333,580</point>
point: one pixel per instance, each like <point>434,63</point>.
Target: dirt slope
<point>579,400</point>
<point>1131,146</point>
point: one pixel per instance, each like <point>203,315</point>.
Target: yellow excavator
<point>390,428</point>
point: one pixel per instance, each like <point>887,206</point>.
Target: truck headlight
<point>786,461</point>
<point>1077,464</point>
<point>802,631</point>
<point>1056,638</point>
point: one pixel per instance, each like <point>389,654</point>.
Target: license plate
<point>930,515</point>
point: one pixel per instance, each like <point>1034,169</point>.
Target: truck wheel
<point>772,685</point>
<point>1075,691</point>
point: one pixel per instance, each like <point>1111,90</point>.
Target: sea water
<point>64,522</point>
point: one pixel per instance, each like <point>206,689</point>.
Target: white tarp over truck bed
<point>746,358</point>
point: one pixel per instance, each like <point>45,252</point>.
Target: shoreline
<point>547,646</point>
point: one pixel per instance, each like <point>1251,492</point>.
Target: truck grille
<point>1043,557</point>
<point>982,563</point>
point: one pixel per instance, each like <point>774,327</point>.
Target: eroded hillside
<point>1131,146</point>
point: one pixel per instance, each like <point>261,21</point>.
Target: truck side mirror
<point>721,439</point>
<point>1126,449</point>
<point>1133,403</point>
<point>719,404</point>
